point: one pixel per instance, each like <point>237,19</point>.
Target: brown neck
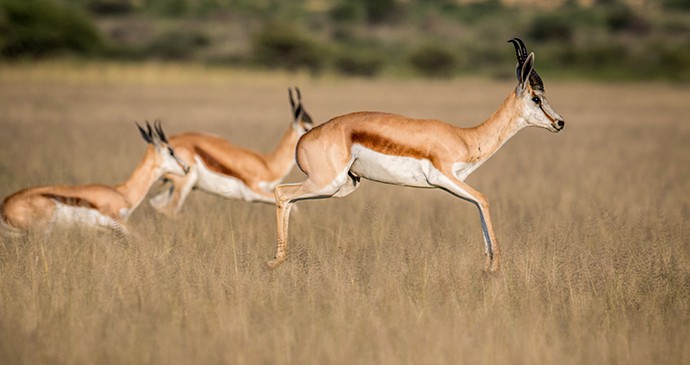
<point>137,186</point>
<point>282,159</point>
<point>490,135</point>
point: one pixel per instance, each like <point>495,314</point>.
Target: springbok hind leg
<point>288,194</point>
<point>284,194</point>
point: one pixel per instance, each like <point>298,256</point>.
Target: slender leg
<point>283,206</point>
<point>263,198</point>
<point>288,194</point>
<point>458,188</point>
<point>260,195</point>
<point>121,232</point>
<point>170,201</point>
<point>187,183</point>
<point>160,201</point>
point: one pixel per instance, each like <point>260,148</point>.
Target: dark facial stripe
<point>386,146</point>
<point>214,165</point>
<point>70,200</point>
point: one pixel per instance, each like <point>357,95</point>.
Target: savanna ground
<point>593,223</point>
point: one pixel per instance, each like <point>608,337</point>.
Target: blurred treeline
<point>436,38</point>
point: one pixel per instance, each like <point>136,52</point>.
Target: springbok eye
<point>536,100</point>
<point>170,151</point>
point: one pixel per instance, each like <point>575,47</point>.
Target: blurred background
<point>609,39</point>
<point>593,222</point>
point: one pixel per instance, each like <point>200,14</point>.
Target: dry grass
<point>593,223</point>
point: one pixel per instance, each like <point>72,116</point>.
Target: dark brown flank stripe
<point>216,165</point>
<point>69,200</point>
<point>383,145</point>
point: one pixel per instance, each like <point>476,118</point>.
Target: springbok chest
<point>462,170</point>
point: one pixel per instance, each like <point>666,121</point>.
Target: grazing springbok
<point>420,153</point>
<point>93,205</point>
<point>220,168</point>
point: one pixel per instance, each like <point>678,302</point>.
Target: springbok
<point>220,168</point>
<point>98,206</point>
<point>420,153</point>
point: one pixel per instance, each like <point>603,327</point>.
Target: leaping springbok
<point>220,168</point>
<point>420,153</point>
<point>93,205</point>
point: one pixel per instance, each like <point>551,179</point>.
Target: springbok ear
<point>525,71</point>
<point>146,136</point>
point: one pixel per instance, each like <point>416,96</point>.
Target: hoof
<point>493,270</point>
<point>273,264</point>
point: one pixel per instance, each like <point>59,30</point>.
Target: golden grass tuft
<point>592,222</point>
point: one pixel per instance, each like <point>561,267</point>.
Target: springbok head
<point>301,122</point>
<point>164,155</point>
<point>536,109</point>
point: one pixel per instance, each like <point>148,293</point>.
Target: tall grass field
<point>592,222</point>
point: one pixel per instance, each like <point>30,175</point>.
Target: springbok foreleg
<point>169,202</point>
<point>458,188</point>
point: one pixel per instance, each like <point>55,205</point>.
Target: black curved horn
<point>292,100</point>
<point>149,131</point>
<point>144,135</point>
<point>159,130</point>
<point>523,48</point>
<point>521,54</point>
<point>520,50</point>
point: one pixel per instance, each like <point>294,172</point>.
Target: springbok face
<point>536,110</point>
<point>166,159</point>
<point>301,122</point>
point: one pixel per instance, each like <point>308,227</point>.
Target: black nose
<point>560,124</point>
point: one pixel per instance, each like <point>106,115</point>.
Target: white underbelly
<point>400,170</point>
<point>67,214</point>
<point>223,185</point>
<point>396,170</point>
